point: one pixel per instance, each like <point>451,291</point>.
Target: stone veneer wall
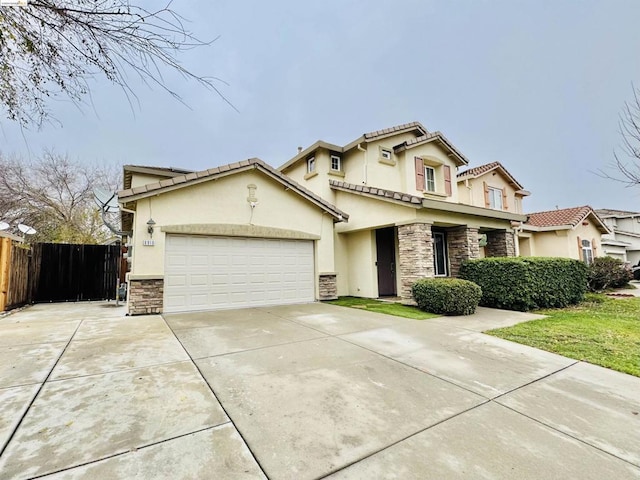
<point>145,296</point>
<point>415,248</point>
<point>500,244</point>
<point>328,286</point>
<point>463,244</point>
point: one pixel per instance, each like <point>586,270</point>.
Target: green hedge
<point>447,296</point>
<point>525,283</point>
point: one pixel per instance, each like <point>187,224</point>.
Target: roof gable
<point>481,170</point>
<point>433,137</point>
<point>566,217</point>
<point>192,178</point>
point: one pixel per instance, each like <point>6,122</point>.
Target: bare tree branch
<point>53,47</point>
<point>626,164</point>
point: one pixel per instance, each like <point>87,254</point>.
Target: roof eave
<point>461,159</point>
<point>126,197</point>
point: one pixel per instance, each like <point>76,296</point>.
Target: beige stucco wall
<point>371,213</point>
<point>224,201</point>
<point>564,243</point>
<point>362,273</point>
<point>471,191</point>
<point>138,179</point>
<point>368,168</point>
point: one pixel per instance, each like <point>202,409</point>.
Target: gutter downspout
<point>364,168</point>
<point>517,230</point>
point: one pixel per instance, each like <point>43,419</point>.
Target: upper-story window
<point>430,179</point>
<point>433,177</point>
<point>495,198</point>
<point>385,156</point>
<point>336,163</point>
<point>311,164</point>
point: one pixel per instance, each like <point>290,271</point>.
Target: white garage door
<point>208,273</point>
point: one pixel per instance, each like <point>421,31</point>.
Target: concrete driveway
<point>303,391</point>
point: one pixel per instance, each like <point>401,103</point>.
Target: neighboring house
<point>408,218</point>
<point>624,240</point>
<point>568,232</point>
<point>246,234</point>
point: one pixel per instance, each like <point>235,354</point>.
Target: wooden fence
<point>46,272</point>
<point>14,274</point>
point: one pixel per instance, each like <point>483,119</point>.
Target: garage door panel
<point>203,273</point>
<point>198,280</point>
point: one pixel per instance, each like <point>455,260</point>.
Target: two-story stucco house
<point>410,217</point>
<point>367,218</point>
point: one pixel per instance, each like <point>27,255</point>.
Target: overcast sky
<point>537,85</point>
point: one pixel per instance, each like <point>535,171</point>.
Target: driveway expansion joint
<point>13,433</point>
<point>253,455</point>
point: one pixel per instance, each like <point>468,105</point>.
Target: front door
<point>386,252</point>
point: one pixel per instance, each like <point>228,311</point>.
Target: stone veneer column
<point>328,286</point>
<point>415,246</point>
<point>500,244</point>
<point>145,296</point>
<point>463,244</point>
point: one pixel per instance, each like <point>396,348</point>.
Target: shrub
<point>607,272</point>
<point>525,283</point>
<point>447,296</point>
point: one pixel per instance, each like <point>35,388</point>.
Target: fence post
<point>5,271</point>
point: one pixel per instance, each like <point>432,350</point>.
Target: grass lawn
<point>601,330</point>
<point>383,307</point>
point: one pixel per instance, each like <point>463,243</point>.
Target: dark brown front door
<point>386,252</point>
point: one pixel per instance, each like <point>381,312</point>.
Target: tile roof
<point>394,129</point>
<point>562,217</point>
<point>606,212</point>
<point>169,170</point>
<point>149,170</point>
<point>380,192</point>
<point>196,177</point>
<point>418,202</point>
<point>477,171</point>
<point>488,167</point>
<point>428,137</point>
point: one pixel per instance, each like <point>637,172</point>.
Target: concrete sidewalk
<point>301,391</point>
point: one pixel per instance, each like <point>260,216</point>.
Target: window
<point>336,165</point>
<point>311,164</point>
<point>495,198</point>
<point>587,252</point>
<point>385,153</point>
<point>440,254</point>
<point>430,179</point>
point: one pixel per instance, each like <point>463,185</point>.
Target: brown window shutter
<point>447,180</point>
<point>419,174</point>
<point>504,199</point>
<point>486,194</point>
<point>593,247</point>
<point>580,249</point>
